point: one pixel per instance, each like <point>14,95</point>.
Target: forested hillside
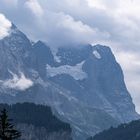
<point>37,122</point>
<point>129,131</point>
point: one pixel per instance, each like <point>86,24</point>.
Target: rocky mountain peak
<point>83,85</point>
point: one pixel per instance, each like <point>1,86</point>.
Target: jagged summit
<point>83,85</point>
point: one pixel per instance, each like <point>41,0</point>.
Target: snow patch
<point>75,71</point>
<point>5,26</point>
<point>57,58</point>
<point>18,82</point>
<point>96,54</point>
<point>69,97</point>
<point>54,52</point>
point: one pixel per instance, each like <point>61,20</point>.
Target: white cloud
<point>76,26</point>
<point>129,60</point>
<point>131,66</point>
<point>35,7</point>
<point>96,4</point>
<point>18,82</point>
<point>5,26</point>
<point>72,31</point>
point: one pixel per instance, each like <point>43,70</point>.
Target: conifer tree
<point>7,130</point>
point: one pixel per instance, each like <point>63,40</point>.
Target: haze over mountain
<point>83,85</point>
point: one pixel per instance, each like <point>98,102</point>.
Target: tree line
<point>130,131</point>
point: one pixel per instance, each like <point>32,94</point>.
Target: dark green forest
<point>37,115</point>
<point>130,131</point>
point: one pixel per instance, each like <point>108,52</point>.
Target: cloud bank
<point>5,26</point>
<point>68,22</point>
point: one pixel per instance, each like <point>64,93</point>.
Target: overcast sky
<point>115,23</point>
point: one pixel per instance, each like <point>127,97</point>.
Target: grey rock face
<point>13,51</point>
<point>85,87</point>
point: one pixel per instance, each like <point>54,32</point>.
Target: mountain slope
<point>84,85</point>
<point>37,122</point>
<point>123,132</point>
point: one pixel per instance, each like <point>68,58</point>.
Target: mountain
<point>128,131</point>
<point>37,122</point>
<point>83,84</point>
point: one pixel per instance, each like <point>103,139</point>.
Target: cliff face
<point>84,85</point>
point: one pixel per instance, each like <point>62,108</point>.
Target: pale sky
<point>115,23</point>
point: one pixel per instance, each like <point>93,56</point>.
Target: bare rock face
<point>84,85</point>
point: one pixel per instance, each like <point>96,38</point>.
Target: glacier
<point>75,71</point>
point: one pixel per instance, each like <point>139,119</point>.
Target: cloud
<point>68,31</point>
<point>131,66</point>
<point>35,7</point>
<point>18,82</point>
<point>5,26</point>
<point>40,20</point>
<point>9,3</point>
